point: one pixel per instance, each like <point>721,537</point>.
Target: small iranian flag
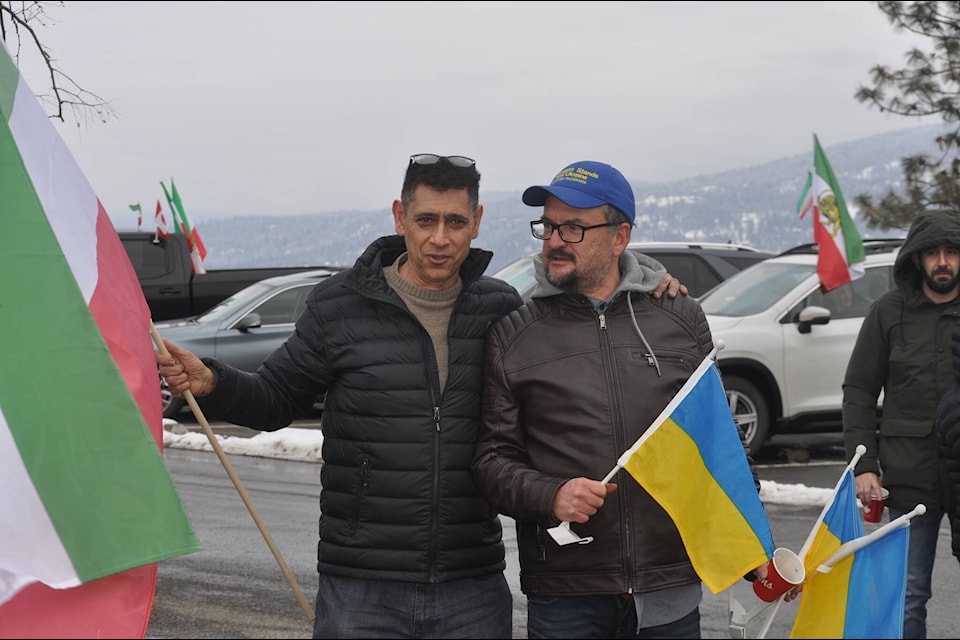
<point>139,211</point>
<point>87,507</point>
<point>841,256</point>
<point>198,252</point>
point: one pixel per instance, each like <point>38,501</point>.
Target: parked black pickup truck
<point>172,289</point>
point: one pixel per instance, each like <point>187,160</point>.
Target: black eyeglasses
<point>569,232</point>
<point>431,158</point>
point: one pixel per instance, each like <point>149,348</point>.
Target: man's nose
<point>440,235</point>
<point>555,239</point>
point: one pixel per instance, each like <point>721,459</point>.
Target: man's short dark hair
<point>442,176</point>
<point>615,216</point>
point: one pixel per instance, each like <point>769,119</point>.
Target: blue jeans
<point>924,531</point>
<point>599,617</point>
<point>469,608</point>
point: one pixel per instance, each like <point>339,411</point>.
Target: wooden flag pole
<point>188,396</point>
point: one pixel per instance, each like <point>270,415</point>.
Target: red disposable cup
<point>784,572</point>
<point>873,511</point>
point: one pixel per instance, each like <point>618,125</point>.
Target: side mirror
<point>247,322</point>
<point>810,316</point>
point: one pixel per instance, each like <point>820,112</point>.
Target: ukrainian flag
<point>692,461</point>
<point>839,523</point>
<point>862,596</point>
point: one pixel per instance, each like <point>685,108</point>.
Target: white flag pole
<point>766,625</point>
<point>860,451</point>
<point>851,547</point>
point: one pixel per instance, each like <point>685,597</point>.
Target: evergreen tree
<point>928,85</point>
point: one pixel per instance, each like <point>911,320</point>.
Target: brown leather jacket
<point>567,391</point>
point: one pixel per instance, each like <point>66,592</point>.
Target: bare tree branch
<point>20,22</point>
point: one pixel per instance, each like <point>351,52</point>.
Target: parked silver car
<point>245,328</point>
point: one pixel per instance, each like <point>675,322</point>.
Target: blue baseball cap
<point>585,185</point>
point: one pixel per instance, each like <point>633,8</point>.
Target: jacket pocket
<point>903,427</point>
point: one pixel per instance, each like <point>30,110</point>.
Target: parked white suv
<point>787,343</point>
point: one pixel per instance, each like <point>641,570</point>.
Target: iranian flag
<point>198,252</point>
<point>139,211</point>
<point>840,250</point>
<point>87,507</point>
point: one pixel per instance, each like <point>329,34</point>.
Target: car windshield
<point>242,298</point>
<point>754,289</point>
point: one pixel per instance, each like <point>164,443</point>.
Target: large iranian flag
<point>87,506</point>
<point>840,256</point>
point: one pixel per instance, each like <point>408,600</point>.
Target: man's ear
<point>476,222</point>
<point>621,239</point>
<point>398,217</point>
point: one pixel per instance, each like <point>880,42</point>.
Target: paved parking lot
<point>194,599</point>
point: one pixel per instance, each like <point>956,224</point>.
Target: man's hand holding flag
<point>690,456</point>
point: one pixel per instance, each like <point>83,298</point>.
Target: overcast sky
<point>301,107</point>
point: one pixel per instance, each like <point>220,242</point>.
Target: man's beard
<point>940,286</point>
<point>569,282</point>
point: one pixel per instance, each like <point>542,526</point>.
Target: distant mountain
<point>754,206</point>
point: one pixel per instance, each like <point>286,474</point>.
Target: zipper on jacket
<point>435,492</point>
<point>663,358</point>
<point>619,436</point>
<point>630,573</point>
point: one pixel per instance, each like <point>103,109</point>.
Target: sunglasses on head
<point>432,158</point>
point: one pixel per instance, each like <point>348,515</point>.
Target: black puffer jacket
<point>398,500</point>
<point>902,350</point>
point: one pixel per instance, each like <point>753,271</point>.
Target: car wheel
<point>749,409</point>
<point>171,406</point>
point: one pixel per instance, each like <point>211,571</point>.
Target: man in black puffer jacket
<point>396,344</point>
<point>408,545</point>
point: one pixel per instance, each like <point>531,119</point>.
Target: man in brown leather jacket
<point>570,381</point>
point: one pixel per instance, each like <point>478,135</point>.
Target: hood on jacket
<point>638,272</point>
<point>929,229</point>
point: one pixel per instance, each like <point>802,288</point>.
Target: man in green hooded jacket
<point>903,350</point>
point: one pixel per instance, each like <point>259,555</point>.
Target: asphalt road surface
<point>235,588</point>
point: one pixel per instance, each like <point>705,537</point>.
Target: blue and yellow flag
<point>839,523</point>
<point>862,596</point>
<point>692,461</point>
